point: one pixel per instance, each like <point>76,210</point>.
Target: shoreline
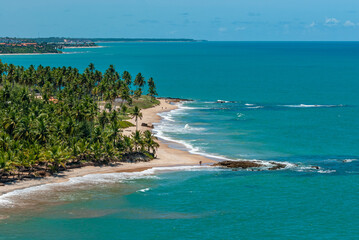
<point>29,54</point>
<point>83,47</point>
<point>166,156</point>
<point>19,54</point>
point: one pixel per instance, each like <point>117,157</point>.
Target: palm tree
<point>56,155</point>
<point>137,140</point>
<point>137,115</point>
<point>151,88</point>
<point>37,132</point>
<point>150,143</point>
<point>127,78</point>
<point>139,80</point>
<point>127,144</point>
<point>91,67</point>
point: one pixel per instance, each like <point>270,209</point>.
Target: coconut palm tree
<point>137,140</point>
<point>149,141</point>
<point>139,80</point>
<point>126,76</point>
<point>49,115</point>
<point>137,115</point>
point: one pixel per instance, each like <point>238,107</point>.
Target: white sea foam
<point>256,107</point>
<point>164,128</point>
<point>16,197</point>
<point>249,104</point>
<point>310,106</point>
<point>224,101</point>
<point>350,160</point>
<point>144,190</point>
<point>326,171</point>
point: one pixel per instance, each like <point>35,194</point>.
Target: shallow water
<point>289,102</point>
<point>202,205</point>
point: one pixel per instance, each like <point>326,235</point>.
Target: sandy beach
<point>166,156</point>
<point>83,47</point>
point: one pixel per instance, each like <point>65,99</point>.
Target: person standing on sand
<point>200,163</point>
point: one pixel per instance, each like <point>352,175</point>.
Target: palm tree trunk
<point>136,124</point>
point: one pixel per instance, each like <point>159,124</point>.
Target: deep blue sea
<point>293,102</point>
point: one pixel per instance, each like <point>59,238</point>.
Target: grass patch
<point>126,124</point>
<point>145,102</point>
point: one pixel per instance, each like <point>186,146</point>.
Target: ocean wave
<point>192,108</point>
<point>267,164</point>
<point>176,128</point>
<point>144,190</point>
<point>256,107</point>
<point>15,197</point>
<point>18,197</point>
<point>326,171</point>
<point>349,160</point>
<point>241,116</point>
<point>311,106</point>
<point>224,101</point>
<point>163,129</point>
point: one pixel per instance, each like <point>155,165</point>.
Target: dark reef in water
<point>249,164</point>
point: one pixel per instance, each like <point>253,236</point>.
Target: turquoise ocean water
<point>293,102</point>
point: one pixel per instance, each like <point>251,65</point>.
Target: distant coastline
<point>96,46</point>
<point>20,54</point>
<point>53,45</point>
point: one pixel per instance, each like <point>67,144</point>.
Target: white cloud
<point>331,22</point>
<point>349,23</point>
<point>222,29</point>
<point>240,28</point>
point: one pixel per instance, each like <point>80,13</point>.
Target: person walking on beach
<point>200,163</point>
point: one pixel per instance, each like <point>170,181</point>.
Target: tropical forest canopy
<point>50,117</point>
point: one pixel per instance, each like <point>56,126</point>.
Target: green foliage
<point>145,102</point>
<point>41,48</point>
<point>51,116</point>
<point>126,124</point>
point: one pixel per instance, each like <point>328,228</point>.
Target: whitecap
<point>350,160</point>
<point>311,106</point>
<point>326,171</point>
<point>224,101</point>
<point>143,190</point>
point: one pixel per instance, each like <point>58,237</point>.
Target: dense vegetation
<point>54,118</point>
<point>42,48</point>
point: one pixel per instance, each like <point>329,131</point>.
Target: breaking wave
<point>311,106</point>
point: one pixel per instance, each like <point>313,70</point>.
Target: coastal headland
<point>166,156</point>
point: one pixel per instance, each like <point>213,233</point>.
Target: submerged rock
<point>238,164</point>
<point>149,125</point>
<point>250,164</point>
<point>277,166</point>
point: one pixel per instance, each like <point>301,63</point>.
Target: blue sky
<point>228,20</point>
